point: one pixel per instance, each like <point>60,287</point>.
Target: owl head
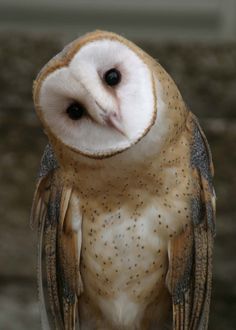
<point>100,96</point>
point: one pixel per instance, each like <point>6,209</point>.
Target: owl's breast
<point>124,252</point>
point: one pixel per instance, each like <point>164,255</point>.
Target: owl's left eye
<point>75,111</point>
<point>112,77</point>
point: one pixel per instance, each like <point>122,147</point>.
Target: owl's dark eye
<point>112,77</point>
<point>75,111</point>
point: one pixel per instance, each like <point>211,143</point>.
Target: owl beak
<point>114,120</point>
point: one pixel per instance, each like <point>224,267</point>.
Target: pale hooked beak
<point>114,120</point>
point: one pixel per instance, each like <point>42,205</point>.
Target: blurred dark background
<point>194,40</point>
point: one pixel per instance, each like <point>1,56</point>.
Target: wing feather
<point>190,254</point>
<point>44,317</point>
<point>58,268</point>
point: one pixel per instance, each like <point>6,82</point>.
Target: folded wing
<point>58,246</point>
<point>190,254</point>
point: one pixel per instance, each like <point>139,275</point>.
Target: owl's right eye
<point>75,111</point>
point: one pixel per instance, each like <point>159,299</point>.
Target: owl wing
<point>190,254</point>
<point>59,282</point>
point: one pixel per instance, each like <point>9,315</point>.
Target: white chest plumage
<point>126,228</point>
<point>123,262</point>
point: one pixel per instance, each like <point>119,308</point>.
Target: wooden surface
<point>146,20</point>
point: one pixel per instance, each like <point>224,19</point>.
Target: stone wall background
<point>206,76</point>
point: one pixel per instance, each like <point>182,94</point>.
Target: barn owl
<point>124,201</point>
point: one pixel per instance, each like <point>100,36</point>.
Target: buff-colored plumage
<point>126,232</point>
